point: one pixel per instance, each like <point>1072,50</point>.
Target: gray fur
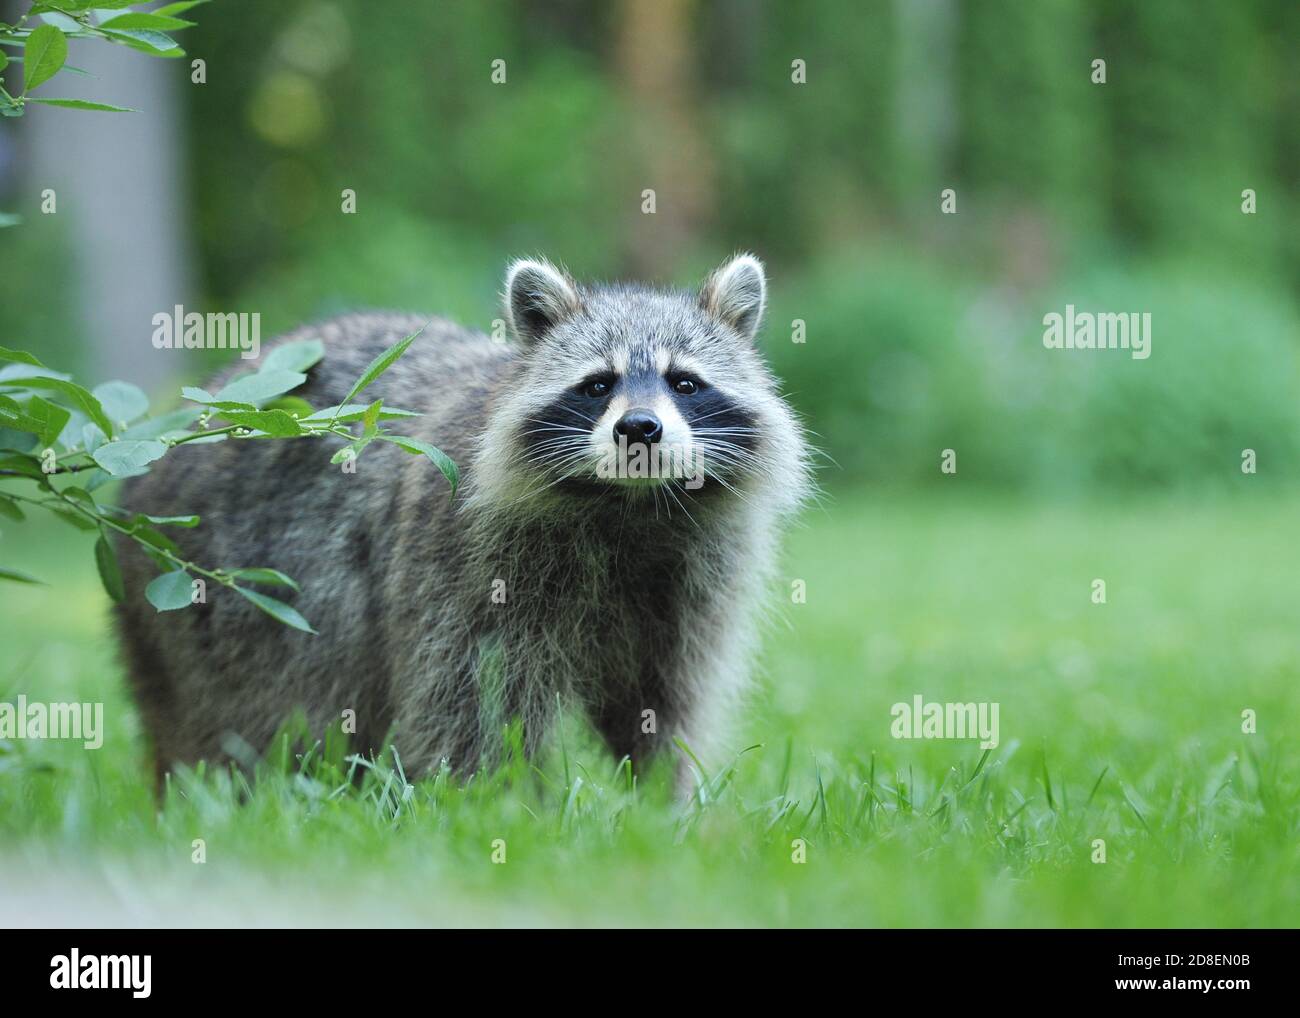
<point>619,599</point>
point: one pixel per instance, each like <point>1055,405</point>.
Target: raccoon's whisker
<point>728,456</point>
<point>550,462</point>
<point>729,448</point>
<point>722,432</point>
<point>557,445</point>
<point>721,442</point>
<point>732,489</point>
<point>723,458</point>
<point>618,541</point>
<point>555,425</point>
<point>575,413</point>
<point>715,413</point>
<point>728,453</point>
<point>668,489</point>
<point>537,489</point>
<point>552,428</point>
<point>723,437</point>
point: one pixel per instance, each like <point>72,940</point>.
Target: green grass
<point>1119,721</point>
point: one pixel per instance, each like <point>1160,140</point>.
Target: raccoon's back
<point>280,503</point>
<point>447,375</point>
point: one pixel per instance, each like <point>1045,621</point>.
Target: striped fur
<point>619,598</point>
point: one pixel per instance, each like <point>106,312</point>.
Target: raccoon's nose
<point>638,427</point>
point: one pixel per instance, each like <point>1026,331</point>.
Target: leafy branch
<point>53,430</point>
<point>69,441</point>
<point>41,37</point>
<point>45,45</point>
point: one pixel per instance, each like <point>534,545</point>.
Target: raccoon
<point>627,465</point>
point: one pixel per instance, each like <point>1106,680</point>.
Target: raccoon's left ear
<point>538,296</point>
<point>737,294</point>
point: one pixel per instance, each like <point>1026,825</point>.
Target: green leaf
<point>158,541</point>
<point>82,399</point>
<point>269,576</point>
<point>83,5</point>
<point>83,496</point>
<point>297,356</point>
<point>122,401</point>
<point>126,456</point>
<point>92,480</point>
<point>193,392</point>
<point>75,518</point>
<point>136,19</point>
<point>383,362</point>
<point>170,54</point>
<point>20,463</point>
<point>290,404</point>
<point>39,417</point>
<point>78,5</point>
<point>370,418</point>
<point>10,508</point>
<point>8,218</point>
<point>439,458</point>
<point>109,573</point>
<point>10,410</point>
<point>16,577</point>
<point>178,8</point>
<point>277,610</point>
<point>51,16</point>
<point>156,427</point>
<point>349,413</point>
<point>165,521</point>
<point>144,39</point>
<point>43,54</point>
<point>91,437</point>
<point>349,452</point>
<point>257,388</point>
<point>12,440</point>
<point>277,423</point>
<point>4,60</point>
<point>52,418</point>
<point>9,371</point>
<point>83,104</point>
<point>170,591</point>
<point>74,430</point>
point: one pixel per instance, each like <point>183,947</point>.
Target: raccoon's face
<point>635,388</point>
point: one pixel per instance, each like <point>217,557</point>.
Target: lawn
<point>1119,722</point>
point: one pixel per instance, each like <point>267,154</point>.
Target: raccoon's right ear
<point>737,293</point>
<point>538,297</point>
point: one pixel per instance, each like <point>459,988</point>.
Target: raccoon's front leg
<point>461,702</point>
<point>642,720</point>
<point>634,723</point>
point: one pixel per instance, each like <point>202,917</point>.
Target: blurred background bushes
<point>924,331</point>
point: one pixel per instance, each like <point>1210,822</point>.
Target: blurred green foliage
<point>924,329</point>
<point>902,359</point>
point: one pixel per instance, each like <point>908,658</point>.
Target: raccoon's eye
<point>686,387</point>
<point>596,388</point>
